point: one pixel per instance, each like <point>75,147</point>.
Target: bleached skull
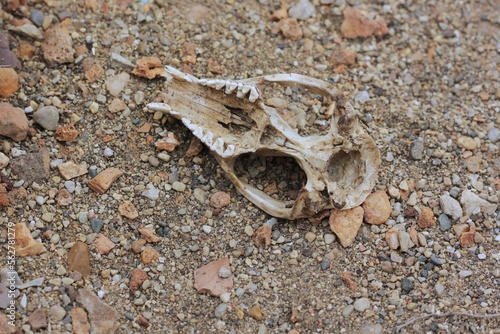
<point>232,119</point>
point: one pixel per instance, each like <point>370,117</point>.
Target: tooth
<point>202,82</point>
<point>254,94</point>
<point>220,84</point>
<point>242,90</point>
<point>211,83</point>
<point>208,139</point>
<point>188,124</point>
<point>230,87</point>
<point>228,152</point>
<point>160,107</point>
<point>178,74</point>
<point>218,145</point>
<point>197,131</point>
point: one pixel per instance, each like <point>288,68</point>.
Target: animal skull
<point>232,118</point>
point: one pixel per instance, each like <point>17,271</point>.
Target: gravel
<point>428,93</point>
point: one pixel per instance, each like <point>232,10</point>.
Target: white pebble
<point>108,152</point>
<point>224,272</point>
<point>207,229</point>
<point>481,256</point>
<point>225,297</point>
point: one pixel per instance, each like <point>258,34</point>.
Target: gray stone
<point>37,17</point>
<point>302,10</point>
<point>347,310</point>
<point>362,304</point>
<point>444,222</point>
<point>325,264</point>
<point>436,260</point>
<point>221,310</point>
<point>407,284</point>
<point>96,225</point>
<point>472,203</point>
<point>439,289</point>
<point>417,149</point>
<point>395,257</point>
<point>494,135</point>
<point>450,206</point>
<point>465,273</point>
<point>57,313</point>
<point>405,241</point>
<point>47,117</point>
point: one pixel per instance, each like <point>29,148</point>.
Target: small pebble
<point>407,284</point>
<point>465,273</point>
<point>325,264</point>
<point>221,310</point>
<point>108,152</point>
<point>362,304</point>
<point>96,225</point>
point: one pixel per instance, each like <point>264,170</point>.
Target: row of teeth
<point>230,86</point>
<point>207,138</point>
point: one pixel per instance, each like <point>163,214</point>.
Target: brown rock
<point>5,327</point>
<point>94,72</point>
<point>7,58</point>
<point>280,14</point>
<point>346,278</point>
<point>459,229</point>
<point>38,319</point>
<point>391,237</point>
<point>58,46</point>
<point>64,197</point>
<point>214,67</point>
<point>413,235</point>
<point>128,210</point>
<point>207,279</point>
<point>343,57</point>
<point>473,163</point>
<point>377,208</point>
<point>18,195</point>
<point>103,318</point>
<point>466,238</point>
<point>145,128</point>
<point>255,312</point>
<point>360,23</point>
<point>4,199</point>
<point>103,244</point>
<point>32,167</point>
<point>103,181</point>
<point>197,13</point>
<point>13,122</point>
<point>78,258</point>
<point>25,50</point>
<point>25,245</point>
<point>149,235</point>
<point>137,277</point>
<point>148,67</point>
<point>195,147</point>
<point>426,218</point>
<point>262,236</point>
<point>220,199</point>
<point>66,133</point>
<point>167,143</point>
<point>188,53</point>
<point>79,320</point>
<point>9,82</point>
<point>291,29</point>
<point>346,223</point>
<point>69,170</point>
<point>137,245</point>
<point>142,321</point>
<point>117,105</point>
<point>149,254</point>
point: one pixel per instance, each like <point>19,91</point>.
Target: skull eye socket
<point>346,169</point>
<point>278,176</point>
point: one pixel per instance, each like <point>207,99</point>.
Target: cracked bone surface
<point>232,118</point>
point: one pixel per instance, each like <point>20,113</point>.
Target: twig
<point>483,316</point>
